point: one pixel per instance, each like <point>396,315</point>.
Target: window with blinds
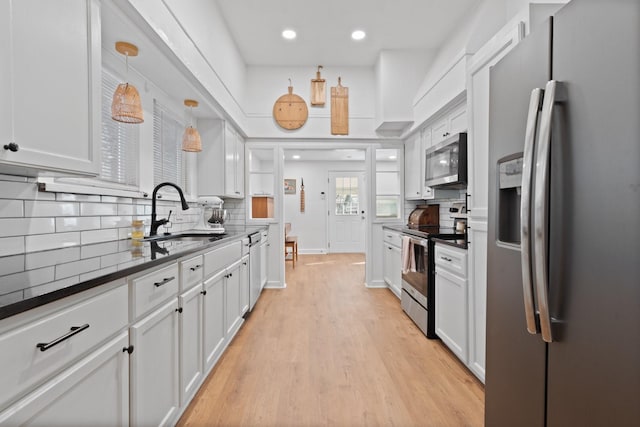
<point>120,141</point>
<point>167,147</point>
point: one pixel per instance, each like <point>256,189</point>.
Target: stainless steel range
<point>418,278</point>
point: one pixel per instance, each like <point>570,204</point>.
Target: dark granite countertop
<point>33,279</point>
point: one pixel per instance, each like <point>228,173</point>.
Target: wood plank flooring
<point>326,351</point>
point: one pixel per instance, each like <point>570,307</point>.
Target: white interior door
<point>347,210</point>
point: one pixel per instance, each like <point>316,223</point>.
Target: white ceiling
<point>324,28</point>
<point>337,155</point>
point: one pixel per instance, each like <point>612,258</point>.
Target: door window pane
<point>347,195</point>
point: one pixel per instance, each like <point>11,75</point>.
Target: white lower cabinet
<point>93,391</point>
<point>392,261</point>
<point>233,317</point>
<point>244,285</point>
<point>154,367</point>
<point>477,297</point>
<point>190,321</point>
<point>213,319</point>
<point>451,299</point>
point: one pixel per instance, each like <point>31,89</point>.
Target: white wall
<point>266,84</point>
<point>311,225</point>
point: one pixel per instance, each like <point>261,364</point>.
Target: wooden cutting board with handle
<point>318,89</point>
<point>339,109</point>
<point>290,111</point>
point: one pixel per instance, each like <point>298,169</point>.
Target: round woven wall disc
<point>290,111</point>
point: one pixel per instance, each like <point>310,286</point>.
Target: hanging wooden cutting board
<point>318,89</point>
<point>290,111</point>
<point>339,109</point>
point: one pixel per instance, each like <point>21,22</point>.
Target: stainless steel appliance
<point>563,292</point>
<point>254,268</point>
<point>446,163</point>
<point>416,298</point>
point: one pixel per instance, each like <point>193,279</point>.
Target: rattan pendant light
<point>126,106</point>
<point>191,139</point>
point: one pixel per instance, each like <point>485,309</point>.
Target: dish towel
<point>408,255</point>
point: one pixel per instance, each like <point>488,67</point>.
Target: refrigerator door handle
<point>525,210</point>
<point>540,244</point>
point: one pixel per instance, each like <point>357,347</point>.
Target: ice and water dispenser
<point>509,196</point>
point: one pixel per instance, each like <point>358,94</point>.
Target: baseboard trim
<point>275,285</point>
<point>312,251</point>
<point>377,284</point>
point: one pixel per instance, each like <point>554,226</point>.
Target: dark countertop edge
<point>37,301</point>
<point>455,243</point>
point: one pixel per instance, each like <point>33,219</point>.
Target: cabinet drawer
<point>451,259</point>
<point>191,272</point>
<point>392,238</point>
<point>23,364</point>
<point>220,258</point>
<point>152,289</point>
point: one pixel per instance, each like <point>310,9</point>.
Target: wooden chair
<point>290,242</point>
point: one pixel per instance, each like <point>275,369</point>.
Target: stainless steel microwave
<point>446,163</point>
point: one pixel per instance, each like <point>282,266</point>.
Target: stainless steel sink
<point>186,237</point>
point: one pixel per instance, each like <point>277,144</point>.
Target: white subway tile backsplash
<point>77,267</point>
<point>14,282</point>
<point>23,191</point>
<point>91,209</point>
<point>11,208</point>
<point>12,264</point>
<point>98,236</point>
<point>77,223</point>
<point>11,245</point>
<point>78,197</point>
<point>44,289</point>
<point>109,199</point>
<point>4,177</point>
<point>11,298</point>
<point>90,251</point>
<point>25,226</point>
<point>101,272</point>
<point>128,209</point>
<point>49,209</point>
<point>126,200</point>
<point>36,260</point>
<point>115,221</point>
<point>42,242</point>
<point>115,259</point>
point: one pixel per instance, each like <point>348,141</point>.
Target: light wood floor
<point>326,351</point>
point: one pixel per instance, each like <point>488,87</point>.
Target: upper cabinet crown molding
<point>50,121</point>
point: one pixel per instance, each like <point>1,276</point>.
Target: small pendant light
<point>126,106</point>
<point>191,138</point>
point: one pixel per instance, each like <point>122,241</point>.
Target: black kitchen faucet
<point>157,223</point>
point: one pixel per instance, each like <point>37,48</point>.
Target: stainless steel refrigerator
<point>563,277</point>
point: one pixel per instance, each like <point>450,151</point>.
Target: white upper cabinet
<point>412,167</point>
<point>453,122</point>
<point>50,86</point>
<point>221,162</point>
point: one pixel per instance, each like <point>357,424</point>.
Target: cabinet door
<point>50,81</point>
<point>439,130</point>
<point>190,342</point>
<point>412,167</point>
<point>93,391</point>
<point>244,285</point>
<point>213,317</point>
<point>477,297</point>
<point>264,255</point>
<point>451,312</point>
<point>232,300</point>
<point>458,119</point>
<point>154,367</point>
<point>392,267</point>
<point>230,161</point>
<point>239,166</point>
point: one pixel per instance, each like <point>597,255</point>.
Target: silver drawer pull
<point>195,267</point>
<point>72,331</point>
<point>164,281</point>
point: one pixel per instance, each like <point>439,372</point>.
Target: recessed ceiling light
<point>295,156</point>
<point>358,35</point>
<point>289,34</point>
<point>392,157</point>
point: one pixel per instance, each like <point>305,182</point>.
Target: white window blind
<point>120,141</point>
<point>167,147</point>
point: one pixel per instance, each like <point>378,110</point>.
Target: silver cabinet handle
<point>541,207</point>
<point>525,210</point>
